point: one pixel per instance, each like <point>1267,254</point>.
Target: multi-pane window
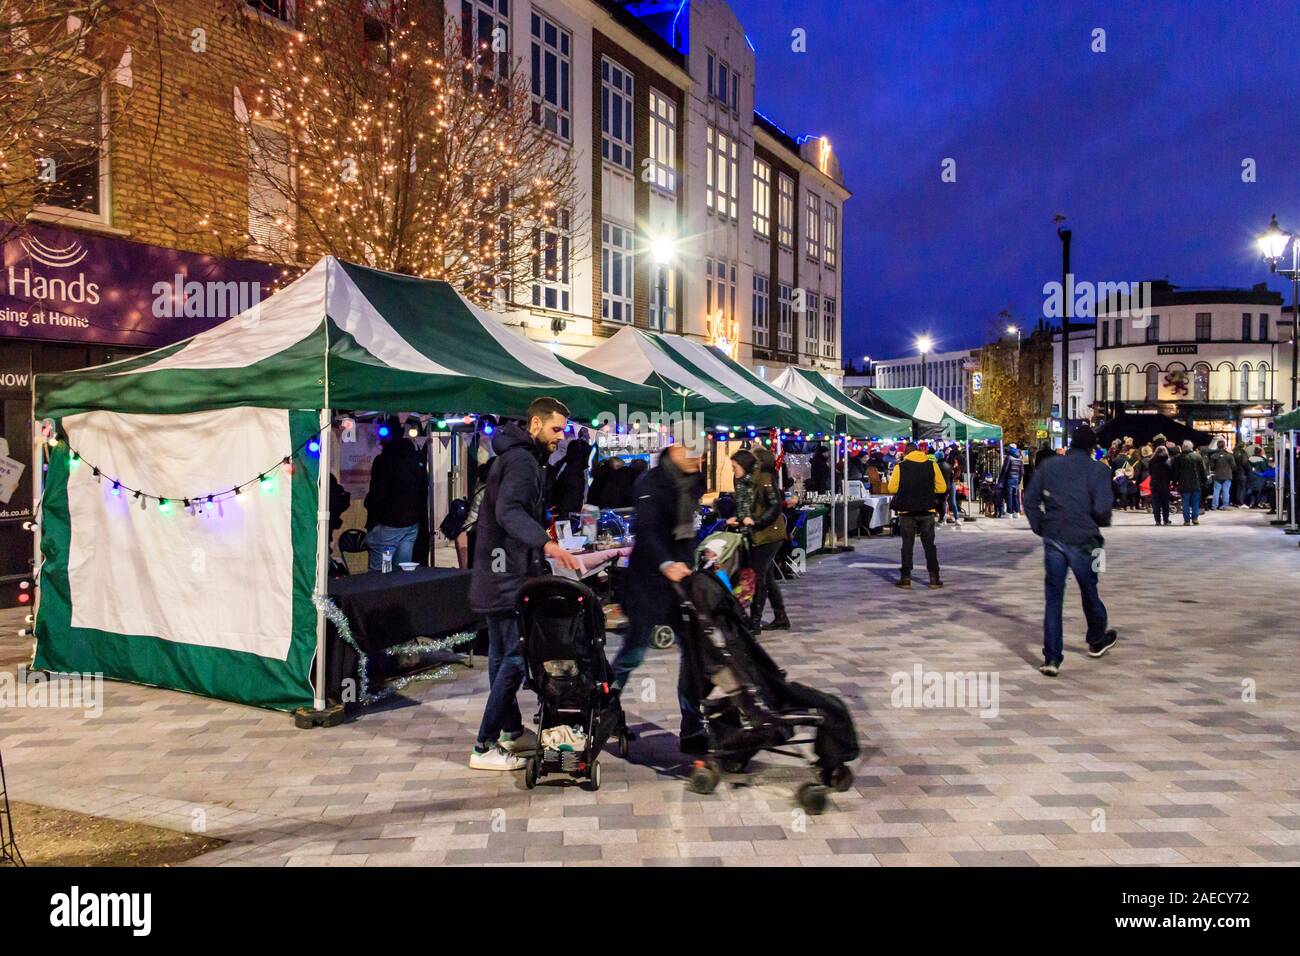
<point>1153,383</point>
<point>616,272</point>
<point>485,40</point>
<point>831,240</point>
<point>663,141</point>
<point>68,161</point>
<point>762,303</point>
<point>721,190</point>
<point>551,246</point>
<point>664,287</point>
<point>1263,327</point>
<point>552,60</point>
<point>720,289</point>
<point>1202,326</point>
<point>1245,383</point>
<point>762,199</point>
<point>811,317</point>
<point>1153,328</point>
<point>813,227</point>
<point>723,82</point>
<point>1245,326</point>
<point>1119,331</point>
<point>784,318</point>
<point>615,114</point>
<point>785,211</point>
<point>1105,332</point>
<point>1261,384</point>
<point>270,211</point>
<point>1075,365</point>
<point>1103,385</point>
<point>830,320</point>
<point>1201,383</point>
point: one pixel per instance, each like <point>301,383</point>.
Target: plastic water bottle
<point>388,560</point>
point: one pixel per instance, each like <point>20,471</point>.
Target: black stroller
<point>563,631</point>
<point>749,706</point>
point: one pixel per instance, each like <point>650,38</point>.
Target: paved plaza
<point>1181,746</point>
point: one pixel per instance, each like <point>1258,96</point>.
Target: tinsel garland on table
<point>418,646</point>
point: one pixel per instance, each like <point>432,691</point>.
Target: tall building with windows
<point>947,374</point>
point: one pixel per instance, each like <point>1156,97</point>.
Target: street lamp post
<point>1273,244</point>
<point>923,345</point>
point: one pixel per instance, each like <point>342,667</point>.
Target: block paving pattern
<point>1180,747</point>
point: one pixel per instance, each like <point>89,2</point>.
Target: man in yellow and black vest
<point>914,483</point>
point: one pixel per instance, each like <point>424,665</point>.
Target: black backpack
<point>454,523</point>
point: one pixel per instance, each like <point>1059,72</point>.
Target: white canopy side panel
<point>222,579</point>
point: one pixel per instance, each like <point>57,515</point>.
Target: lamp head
<point>924,344</point>
<point>1274,240</point>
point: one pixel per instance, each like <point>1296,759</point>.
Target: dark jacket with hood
<point>398,486</point>
<point>570,484</point>
<point>511,529</point>
<point>1070,499</point>
<point>649,596</point>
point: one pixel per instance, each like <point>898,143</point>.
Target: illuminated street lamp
<point>1273,245</point>
<point>923,345</point>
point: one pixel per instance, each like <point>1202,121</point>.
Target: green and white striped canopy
<point>817,390</point>
<point>387,341</point>
<point>1287,422</point>
<point>729,394</point>
<point>929,409</point>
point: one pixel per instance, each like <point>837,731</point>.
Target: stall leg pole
<point>969,485</point>
<point>844,484</point>
<point>835,538</point>
<point>322,558</point>
<point>1291,527</point>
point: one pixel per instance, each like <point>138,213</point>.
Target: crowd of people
<point>540,469</point>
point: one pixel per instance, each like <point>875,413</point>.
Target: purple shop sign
<point>62,285</point>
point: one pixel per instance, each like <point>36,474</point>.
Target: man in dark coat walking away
<point>914,483</point>
<point>510,547</point>
<point>1191,474</point>
<point>663,555</point>
<point>1067,503</point>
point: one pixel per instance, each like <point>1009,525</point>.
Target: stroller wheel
<point>532,770</point>
<point>812,797</point>
<point>704,779</point>
<point>838,778</point>
<point>622,744</point>
<point>663,637</point>
<point>734,765</point>
<point>593,776</point>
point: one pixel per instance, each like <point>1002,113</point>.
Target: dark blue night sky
<point>1141,147</point>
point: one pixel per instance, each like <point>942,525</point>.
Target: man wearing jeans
<point>914,483</point>
<point>1067,502</point>
<point>1222,466</point>
<point>511,546</point>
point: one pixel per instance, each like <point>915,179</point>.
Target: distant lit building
<point>947,374</point>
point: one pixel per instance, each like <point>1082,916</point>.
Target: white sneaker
<point>495,759</point>
<point>526,742</point>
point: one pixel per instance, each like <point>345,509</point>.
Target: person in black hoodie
<point>1162,473</point>
<point>570,484</point>
<point>511,545</point>
<point>667,497</point>
<point>396,499</point>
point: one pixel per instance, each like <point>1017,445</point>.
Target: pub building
<point>72,299</point>
<point>1218,360</point>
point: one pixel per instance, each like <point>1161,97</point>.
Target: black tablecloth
<point>384,610</point>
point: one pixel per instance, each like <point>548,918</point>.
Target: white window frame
<point>617,243</point>
<point>784,317</point>
<point>762,194</point>
<point>811,318</point>
<point>555,116</point>
<point>500,19</point>
<point>102,216</point>
<point>720,289</point>
<point>830,241</point>
<point>785,211</point>
<point>722,159</point>
<point>761,316</point>
<point>664,278</point>
<point>813,226</point>
<point>830,318</point>
<point>663,141</point>
<point>616,85</point>
<point>557,235</point>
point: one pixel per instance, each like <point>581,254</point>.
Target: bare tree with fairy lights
<point>61,71</point>
<point>386,137</point>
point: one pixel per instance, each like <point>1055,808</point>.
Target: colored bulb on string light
<point>164,505</point>
<point>117,488</point>
<point>313,446</point>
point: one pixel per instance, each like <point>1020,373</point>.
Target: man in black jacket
<point>1067,504</point>
<point>395,500</point>
<point>666,501</point>
<point>511,546</point>
<point>915,483</point>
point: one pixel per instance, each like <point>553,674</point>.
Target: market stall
<point>183,527</point>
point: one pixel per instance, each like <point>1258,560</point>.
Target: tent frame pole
<point>1291,527</point>
<point>968,515</point>
<point>835,538</point>
<point>322,551</point>
<point>844,486</point>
